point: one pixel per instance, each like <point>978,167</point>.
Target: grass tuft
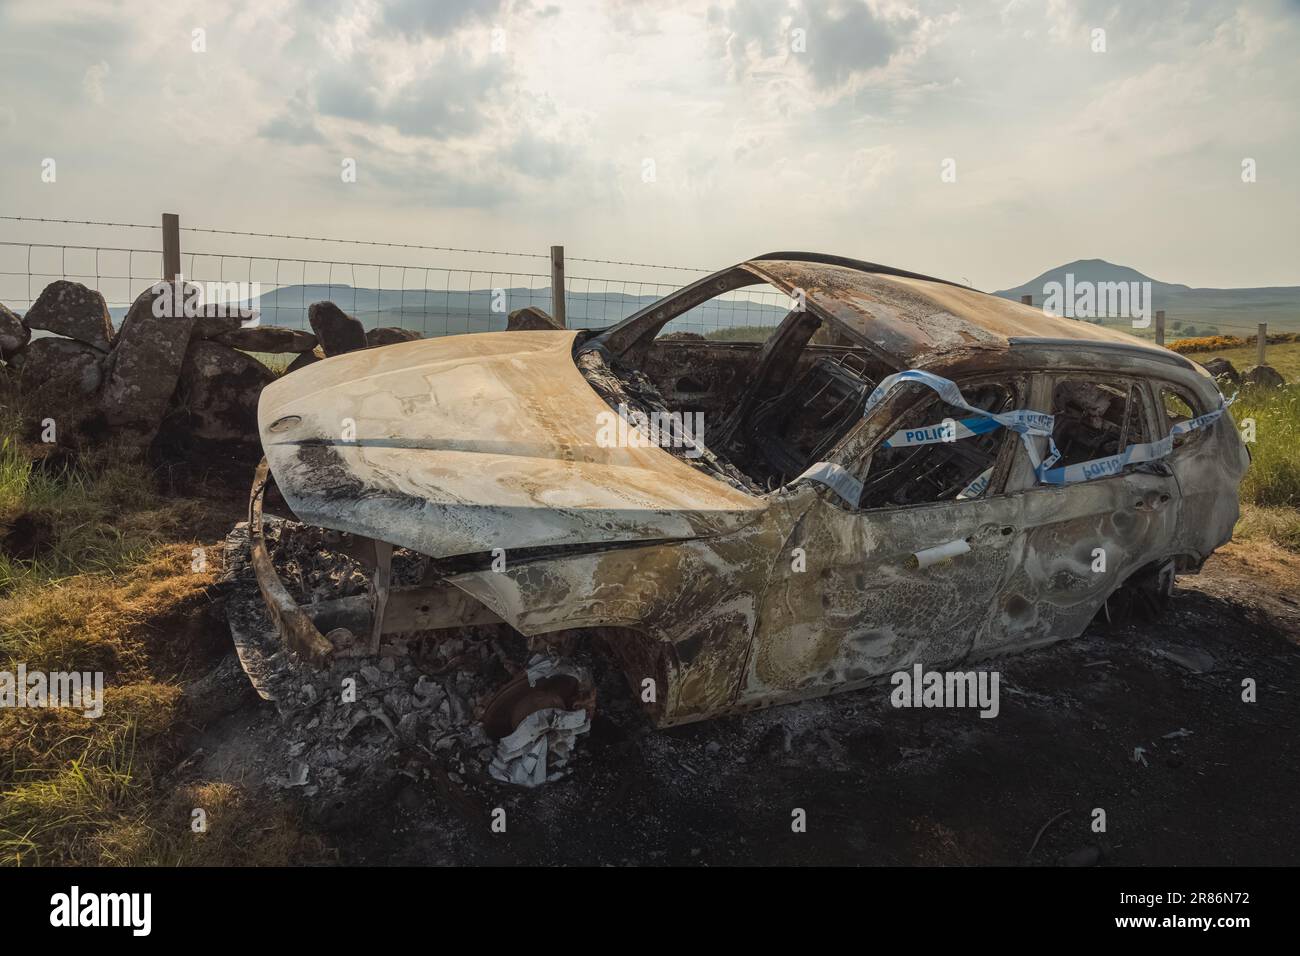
<point>1273,480</point>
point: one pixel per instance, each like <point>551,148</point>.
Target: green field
<point>1285,358</point>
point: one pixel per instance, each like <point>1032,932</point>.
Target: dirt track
<point>885,786</point>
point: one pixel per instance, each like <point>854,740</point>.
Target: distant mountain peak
<point>1197,310</point>
<point>1098,264</point>
<point>1084,270</point>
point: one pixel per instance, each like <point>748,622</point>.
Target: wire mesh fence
<point>432,289</point>
<point>433,300</point>
<point>119,273</point>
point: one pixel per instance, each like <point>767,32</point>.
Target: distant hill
<point>435,312</point>
<point>1188,311</point>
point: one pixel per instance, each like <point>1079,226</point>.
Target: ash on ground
<point>413,711</point>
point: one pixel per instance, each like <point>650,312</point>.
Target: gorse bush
<point>1207,343</point>
<point>1216,343</point>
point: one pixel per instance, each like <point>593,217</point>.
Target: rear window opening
<point>1096,420</point>
<point>1177,408</point>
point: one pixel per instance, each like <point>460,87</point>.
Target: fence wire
<point>432,298</point>
<point>429,299</point>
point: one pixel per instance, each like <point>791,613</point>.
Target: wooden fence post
<point>1160,327</point>
<point>557,286</point>
<point>1262,341</point>
<point>171,246</point>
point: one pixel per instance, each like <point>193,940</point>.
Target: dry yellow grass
<point>239,831</point>
<point>75,790</point>
<point>1278,525</point>
<point>109,585</point>
<point>97,621</point>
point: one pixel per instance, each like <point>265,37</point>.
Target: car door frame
<point>1060,580</point>
<point>816,633</point>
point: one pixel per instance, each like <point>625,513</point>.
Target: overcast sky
<point>690,133</point>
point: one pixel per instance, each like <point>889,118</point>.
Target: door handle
<point>993,535</point>
<point>1152,501</point>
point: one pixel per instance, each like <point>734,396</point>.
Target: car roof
<point>909,318</point>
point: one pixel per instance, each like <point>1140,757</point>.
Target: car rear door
<point>1073,544</point>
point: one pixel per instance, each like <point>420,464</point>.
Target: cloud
<point>430,110</point>
<point>848,39</point>
<point>435,18</point>
<point>444,98</point>
<point>756,142</point>
<point>447,98</point>
<point>539,157</point>
<point>1137,26</point>
<point>832,44</point>
<point>409,68</point>
<point>870,166</point>
<point>295,130</point>
<point>425,180</point>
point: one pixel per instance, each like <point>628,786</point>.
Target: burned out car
<point>904,471</point>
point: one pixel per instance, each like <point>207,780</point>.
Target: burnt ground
<point>1216,784</point>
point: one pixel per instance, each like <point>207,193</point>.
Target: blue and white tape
<point>945,431</point>
<point>1027,423</point>
<point>1133,455</point>
<point>1020,420</point>
<point>836,478</point>
<point>978,486</point>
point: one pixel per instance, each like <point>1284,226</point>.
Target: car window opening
<point>918,474</point>
<point>770,408</point>
<point>1177,409</point>
<point>1095,420</point>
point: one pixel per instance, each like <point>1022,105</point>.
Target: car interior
<point>944,470</point>
<point>785,402</point>
<point>1096,419</point>
<point>774,407</point>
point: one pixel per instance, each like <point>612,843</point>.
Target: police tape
<point>837,478</point>
<point>1133,455</point>
<point>1022,420</point>
<point>1028,424</point>
<point>976,487</point>
<point>946,431</point>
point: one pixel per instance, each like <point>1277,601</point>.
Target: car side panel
<point>1208,469</point>
<point>862,608</point>
<point>698,598</point>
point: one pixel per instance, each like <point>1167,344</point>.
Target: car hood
<point>468,443</point>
